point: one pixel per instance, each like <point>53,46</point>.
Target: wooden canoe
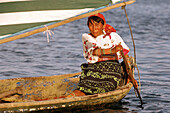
<point>44,90</point>
<point>41,93</point>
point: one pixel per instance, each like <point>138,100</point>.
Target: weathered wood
<point>11,92</point>
<point>44,87</point>
<point>88,100</point>
<point>109,97</point>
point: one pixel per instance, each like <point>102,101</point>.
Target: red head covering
<point>99,15</point>
<point>108,28</point>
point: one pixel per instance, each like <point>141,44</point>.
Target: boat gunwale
<point>62,76</point>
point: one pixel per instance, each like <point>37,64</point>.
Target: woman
<point>101,50</point>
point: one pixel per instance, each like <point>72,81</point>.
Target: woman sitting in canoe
<point>101,50</point>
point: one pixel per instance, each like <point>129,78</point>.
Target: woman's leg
<point>76,93</point>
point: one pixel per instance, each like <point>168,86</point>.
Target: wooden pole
<point>65,22</point>
<point>131,76</point>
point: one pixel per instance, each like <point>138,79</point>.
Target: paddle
<point>131,76</point>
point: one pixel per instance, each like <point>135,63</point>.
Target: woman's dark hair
<point>95,18</point>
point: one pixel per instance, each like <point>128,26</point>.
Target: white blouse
<point>103,42</point>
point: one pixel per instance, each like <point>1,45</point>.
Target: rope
<point>48,32</point>
<point>135,65</point>
<point>123,7</point>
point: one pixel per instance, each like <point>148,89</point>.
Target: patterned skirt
<point>100,77</point>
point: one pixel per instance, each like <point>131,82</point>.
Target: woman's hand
<point>119,47</point>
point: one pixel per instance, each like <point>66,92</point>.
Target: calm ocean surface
<point>150,22</point>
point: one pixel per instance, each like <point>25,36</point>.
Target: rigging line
<point>123,7</point>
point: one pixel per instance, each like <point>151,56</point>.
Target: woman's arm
<point>110,51</point>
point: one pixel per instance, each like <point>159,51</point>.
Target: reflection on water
<point>33,56</point>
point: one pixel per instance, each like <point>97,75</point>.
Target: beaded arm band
<point>100,52</point>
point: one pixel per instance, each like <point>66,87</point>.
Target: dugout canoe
<point>41,93</point>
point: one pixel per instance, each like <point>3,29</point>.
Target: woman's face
<point>96,28</point>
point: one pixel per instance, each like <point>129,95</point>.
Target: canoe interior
<point>39,88</point>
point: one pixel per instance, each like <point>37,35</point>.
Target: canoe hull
<point>73,102</point>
